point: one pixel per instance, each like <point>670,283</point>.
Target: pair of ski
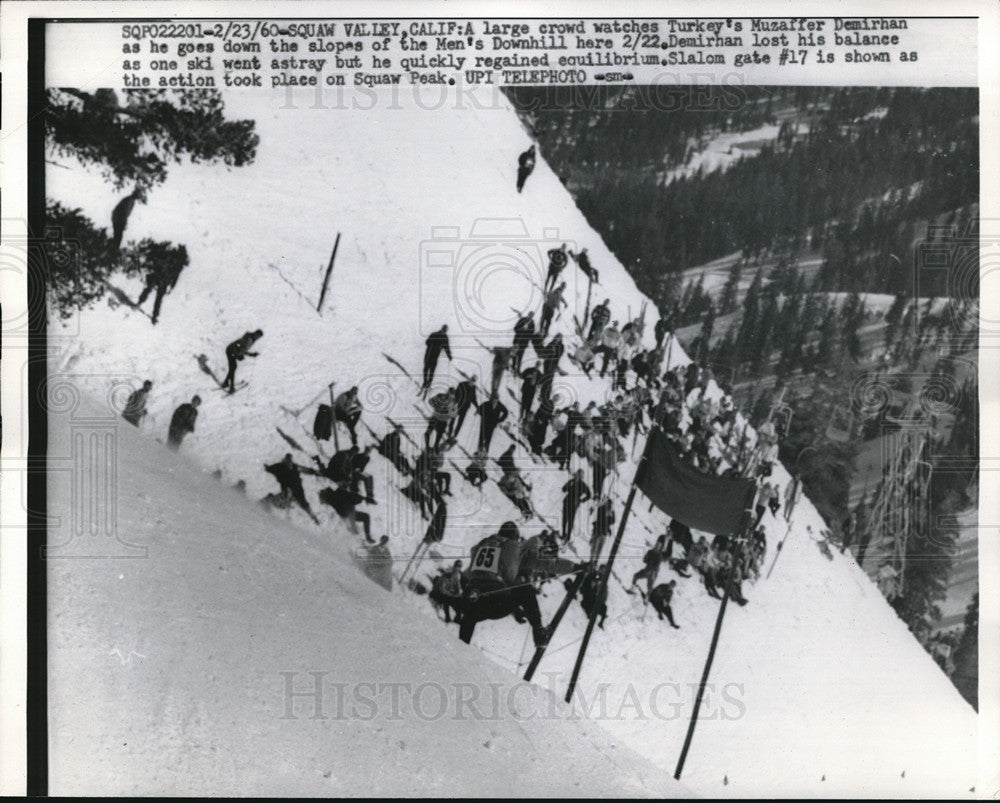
<point>206,369</point>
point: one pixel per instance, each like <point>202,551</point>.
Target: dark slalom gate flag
<point>701,501</point>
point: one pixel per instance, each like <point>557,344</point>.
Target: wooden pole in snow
<point>737,557</point>
<point>329,271</point>
<point>333,412</point>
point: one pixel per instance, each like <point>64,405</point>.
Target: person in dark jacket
<point>530,379</point>
<point>583,260</point>
<point>391,448</point>
<point>553,301</point>
<point>525,164</point>
<point>444,410</point>
<point>466,397</point>
<point>558,260</point>
<point>660,330</point>
<point>492,413</point>
<point>347,408</point>
<point>660,598</point>
<point>182,422</point>
<point>575,492</point>
<point>120,215</point>
<point>539,425</point>
<point>162,278</point>
<point>286,472</point>
<point>594,594</point>
<point>237,351</point>
<point>604,517</point>
<point>135,407</point>
<point>652,560</point>
<point>436,343</point>
<point>439,520</point>
<point>345,501</point>
<point>524,329</point>
<point>599,318</point>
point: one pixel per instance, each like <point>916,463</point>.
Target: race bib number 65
<point>487,559</point>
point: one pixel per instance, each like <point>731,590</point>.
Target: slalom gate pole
<point>601,590</point>
<point>326,279</point>
<point>745,528</point>
<point>781,543</point>
<point>554,624</point>
<point>412,558</point>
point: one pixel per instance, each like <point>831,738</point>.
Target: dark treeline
<point>852,173</point>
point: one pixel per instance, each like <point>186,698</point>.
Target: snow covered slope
<point>818,687</point>
<point>191,672</point>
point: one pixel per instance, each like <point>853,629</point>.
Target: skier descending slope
<point>237,351</point>
<point>496,585</point>
<point>436,343</point>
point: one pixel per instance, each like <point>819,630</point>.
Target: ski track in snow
<point>816,676</point>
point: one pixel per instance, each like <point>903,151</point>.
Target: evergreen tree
<point>965,659</point>
<point>730,290</point>
<point>130,144</point>
<point>707,325</point>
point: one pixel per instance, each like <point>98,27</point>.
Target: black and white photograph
<point>553,405</point>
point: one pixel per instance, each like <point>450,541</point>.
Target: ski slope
<point>818,688</point>
<point>174,674</point>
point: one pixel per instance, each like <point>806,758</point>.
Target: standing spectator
<point>444,409</point>
<point>557,261</point>
<point>347,408</point>
<point>652,560</point>
<point>436,343</point>
<point>121,213</point>
<point>530,380</point>
<point>611,338</point>
<point>575,492</point>
<point>491,414</point>
<point>182,422</point>
<point>465,397</point>
<point>553,300</point>
<point>501,358</point>
<point>604,517</point>
<point>135,407</point>
<point>599,319</point>
<point>524,330</point>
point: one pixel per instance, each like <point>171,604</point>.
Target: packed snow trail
<point>816,676</point>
